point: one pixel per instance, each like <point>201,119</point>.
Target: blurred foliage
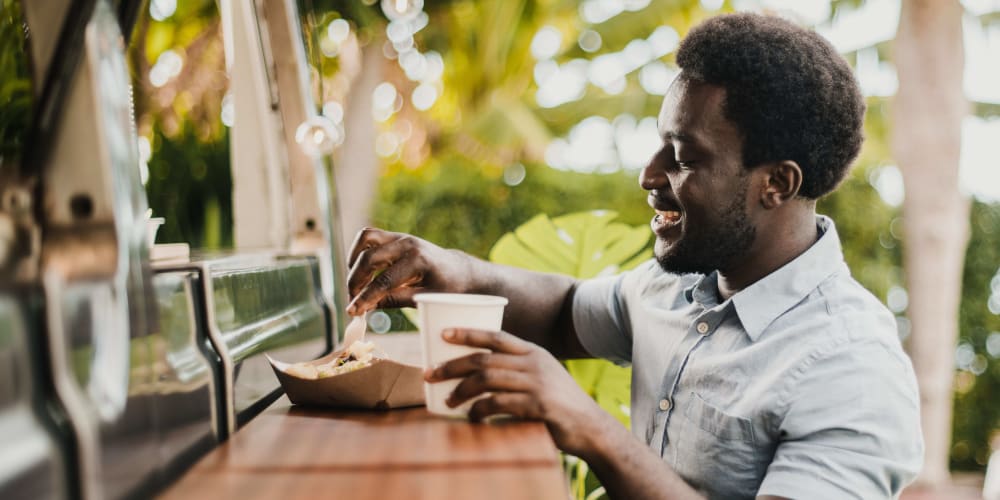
<point>16,96</point>
<point>868,227</point>
<point>190,184</point>
<point>190,181</point>
<point>977,411</point>
<point>865,224</point>
<point>457,203</point>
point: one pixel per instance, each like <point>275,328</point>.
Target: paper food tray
<point>383,385</point>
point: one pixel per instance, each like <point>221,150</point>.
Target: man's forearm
<point>629,469</point>
<point>539,308</point>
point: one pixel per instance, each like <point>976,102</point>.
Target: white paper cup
<point>439,311</point>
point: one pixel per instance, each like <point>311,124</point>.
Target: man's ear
<point>782,181</point>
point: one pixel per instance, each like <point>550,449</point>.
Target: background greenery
<point>15,85</point>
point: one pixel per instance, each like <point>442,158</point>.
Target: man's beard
<point>705,249</point>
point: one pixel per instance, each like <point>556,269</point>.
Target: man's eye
<point>684,164</point>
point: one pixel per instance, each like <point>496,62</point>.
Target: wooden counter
<point>289,452</point>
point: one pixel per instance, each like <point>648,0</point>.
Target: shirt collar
<point>759,304</point>
<point>704,291</point>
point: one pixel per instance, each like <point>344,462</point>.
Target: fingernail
<point>448,334</point>
<point>428,374</point>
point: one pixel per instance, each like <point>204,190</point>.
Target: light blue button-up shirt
<point>796,386</point>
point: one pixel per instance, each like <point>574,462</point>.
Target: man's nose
<point>652,176</point>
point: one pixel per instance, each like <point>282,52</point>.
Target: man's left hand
<point>523,380</point>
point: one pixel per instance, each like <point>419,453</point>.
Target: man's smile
<point>664,221</point>
<point>668,215</point>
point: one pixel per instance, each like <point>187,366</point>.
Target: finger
<point>495,380</point>
<point>467,365</point>
<point>389,289</point>
<point>517,404</point>
<point>400,297</point>
<point>492,340</point>
<point>371,261</point>
<point>367,239</point>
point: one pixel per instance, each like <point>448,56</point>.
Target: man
<point>760,367</point>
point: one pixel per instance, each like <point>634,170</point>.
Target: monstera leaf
<point>582,245</point>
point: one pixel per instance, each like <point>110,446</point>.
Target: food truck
<point>122,362</point>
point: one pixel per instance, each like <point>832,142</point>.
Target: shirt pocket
<point>717,422</point>
<point>714,445</point>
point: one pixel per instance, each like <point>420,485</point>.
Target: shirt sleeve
<point>852,427</point>
<point>600,315</point>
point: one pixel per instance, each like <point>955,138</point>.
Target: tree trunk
<point>926,141</point>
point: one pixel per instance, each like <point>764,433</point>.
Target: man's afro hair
<point>788,91</point>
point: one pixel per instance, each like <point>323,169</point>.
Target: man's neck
<point>776,244</point>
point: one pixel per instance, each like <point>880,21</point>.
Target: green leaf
<point>638,259</point>
<point>510,251</point>
<point>614,391</point>
<point>609,384</point>
<point>549,243</point>
<point>582,244</point>
<point>587,373</point>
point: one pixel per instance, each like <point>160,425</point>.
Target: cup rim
<point>460,299</point>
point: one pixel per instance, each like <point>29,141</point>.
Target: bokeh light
<point>319,135</point>
<point>401,10</point>
<point>546,43</point>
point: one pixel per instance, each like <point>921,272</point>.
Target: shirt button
<point>702,328</point>
<point>664,404</point>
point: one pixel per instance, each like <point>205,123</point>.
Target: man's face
<point>697,184</point>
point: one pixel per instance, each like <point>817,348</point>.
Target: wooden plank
<point>481,483</point>
<point>292,438</point>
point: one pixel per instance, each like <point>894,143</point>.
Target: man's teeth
<point>670,215</point>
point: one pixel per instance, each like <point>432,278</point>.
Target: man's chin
<point>673,267</point>
<point>677,264</point>
<point>663,249</point>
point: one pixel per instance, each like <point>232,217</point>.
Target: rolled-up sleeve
<point>599,317</point>
<point>851,428</point>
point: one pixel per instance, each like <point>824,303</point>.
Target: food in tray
<point>357,356</point>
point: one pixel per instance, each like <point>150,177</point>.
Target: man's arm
<point>525,381</point>
<point>387,269</point>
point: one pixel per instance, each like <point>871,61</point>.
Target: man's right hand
<point>387,269</point>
